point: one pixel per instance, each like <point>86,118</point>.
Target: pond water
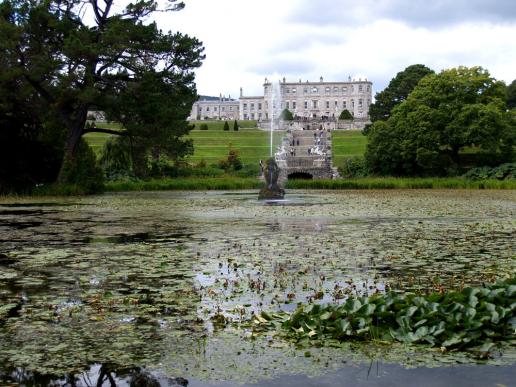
<point>130,288</point>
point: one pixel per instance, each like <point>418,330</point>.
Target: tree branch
<point>107,131</point>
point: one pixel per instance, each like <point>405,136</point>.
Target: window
<point>288,105</point>
<point>314,89</point>
<point>305,90</point>
<point>231,108</point>
<point>344,89</point>
<point>252,116</point>
<point>335,89</point>
<point>207,108</point>
<point>287,90</point>
<point>245,116</point>
<point>259,106</point>
<point>223,108</point>
<point>293,104</point>
<point>360,103</point>
<point>352,88</point>
<point>368,88</point>
<point>200,109</point>
<point>265,89</point>
<point>252,106</point>
<point>327,104</point>
<point>294,90</point>
<point>353,104</point>
<point>314,104</point>
<point>260,116</point>
<point>306,104</point>
<point>327,89</point>
<point>215,109</point>
<point>245,106</point>
<point>336,103</point>
<point>360,88</point>
<point>344,104</point>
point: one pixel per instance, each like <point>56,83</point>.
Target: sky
<point>248,40</point>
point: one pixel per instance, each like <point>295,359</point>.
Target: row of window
<point>327,89</point>
<point>259,116</point>
<point>222,109</point>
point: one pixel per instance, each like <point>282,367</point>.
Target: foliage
<point>286,115</point>
<point>232,162</point>
<point>397,91</point>
<point>115,62</point>
<point>235,126</point>
<point>83,173</point>
<point>203,127</point>
<point>186,184</point>
<point>401,183</point>
<point>353,167</point>
<point>445,113</point>
<point>474,318</point>
<point>345,115</point>
<point>226,125</point>
<point>115,159</point>
<point>502,172</point>
<point>511,95</point>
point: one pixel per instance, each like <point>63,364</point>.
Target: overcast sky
<point>248,40</point>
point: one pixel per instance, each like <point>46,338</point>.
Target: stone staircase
<point>306,153</point>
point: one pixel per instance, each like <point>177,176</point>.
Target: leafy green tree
<point>445,113</point>
<point>286,115</point>
<point>235,126</point>
<point>345,115</point>
<point>397,91</point>
<point>511,95</point>
<point>117,62</point>
<point>226,125</point>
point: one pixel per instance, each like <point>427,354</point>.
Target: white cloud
<point>248,40</point>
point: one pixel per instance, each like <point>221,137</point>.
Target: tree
<point>226,125</point>
<point>116,62</point>
<point>235,126</point>
<point>286,115</point>
<point>511,95</point>
<point>345,115</point>
<point>397,91</point>
<point>445,113</point>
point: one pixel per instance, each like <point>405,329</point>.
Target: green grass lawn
<point>347,143</point>
<point>213,144</point>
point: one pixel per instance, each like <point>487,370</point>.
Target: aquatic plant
<point>473,319</point>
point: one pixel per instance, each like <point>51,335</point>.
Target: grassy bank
<point>186,184</point>
<point>347,143</point>
<point>401,183</point>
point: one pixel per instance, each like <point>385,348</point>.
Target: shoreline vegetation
<point>228,183</point>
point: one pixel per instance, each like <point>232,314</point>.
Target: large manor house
<point>305,100</point>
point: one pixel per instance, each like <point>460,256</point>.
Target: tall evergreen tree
<point>117,62</point>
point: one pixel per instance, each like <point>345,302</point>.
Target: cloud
<point>421,13</point>
<point>248,41</point>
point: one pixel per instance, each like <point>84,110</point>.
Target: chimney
<point>283,79</point>
<point>321,79</point>
<point>241,93</point>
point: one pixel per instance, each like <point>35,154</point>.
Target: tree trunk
<point>75,132</point>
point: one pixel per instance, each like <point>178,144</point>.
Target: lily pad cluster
<point>473,319</point>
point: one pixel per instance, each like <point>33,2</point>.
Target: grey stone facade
<point>306,100</point>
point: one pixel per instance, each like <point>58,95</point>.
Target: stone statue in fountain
<point>271,189</point>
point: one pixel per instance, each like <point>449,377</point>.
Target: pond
<point>150,287</point>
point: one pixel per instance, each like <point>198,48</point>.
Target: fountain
<point>271,189</point>
<point>271,170</point>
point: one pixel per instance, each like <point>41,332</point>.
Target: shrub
<point>286,115</point>
<point>226,125</point>
<point>505,171</point>
<point>83,174</point>
<point>235,126</point>
<point>354,167</point>
<point>232,162</point>
<point>203,127</point>
<point>345,115</point>
<point>115,159</point>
